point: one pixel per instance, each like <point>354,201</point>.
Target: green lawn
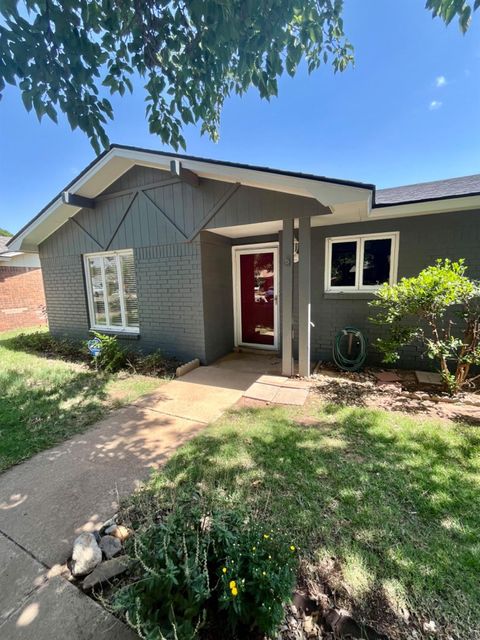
<point>384,507</point>
<point>45,400</point>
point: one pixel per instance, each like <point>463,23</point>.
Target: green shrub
<point>112,356</point>
<point>257,578</point>
<point>440,308</point>
<point>198,572</point>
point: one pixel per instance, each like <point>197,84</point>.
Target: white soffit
<point>329,194</point>
<point>119,160</point>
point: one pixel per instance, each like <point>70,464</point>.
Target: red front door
<point>257,298</point>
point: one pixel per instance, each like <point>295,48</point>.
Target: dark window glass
<point>344,257</point>
<point>376,261</point>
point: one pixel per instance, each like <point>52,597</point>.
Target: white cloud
<point>440,81</point>
<point>434,105</point>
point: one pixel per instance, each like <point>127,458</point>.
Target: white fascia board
<point>327,193</point>
<point>90,184</point>
<point>448,205</point>
<point>118,161</point>
<point>50,220</point>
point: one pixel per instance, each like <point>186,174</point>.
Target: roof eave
<point>446,204</point>
<point>118,159</point>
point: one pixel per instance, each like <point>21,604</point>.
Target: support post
<point>304,293</point>
<point>287,297</point>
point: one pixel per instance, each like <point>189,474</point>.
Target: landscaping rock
<point>430,627</point>
<point>118,531</point>
<point>110,546</point>
<point>106,571</point>
<point>310,628</point>
<point>86,554</point>
<point>111,522</point>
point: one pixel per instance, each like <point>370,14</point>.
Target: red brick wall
<point>22,299</point>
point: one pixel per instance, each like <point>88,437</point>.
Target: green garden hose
<point>349,349</point>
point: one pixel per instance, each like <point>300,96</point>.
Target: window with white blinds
<point>112,290</point>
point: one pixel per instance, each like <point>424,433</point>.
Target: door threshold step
<point>258,352</point>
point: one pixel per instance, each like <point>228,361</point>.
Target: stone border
<point>187,367</point>
<point>419,395</point>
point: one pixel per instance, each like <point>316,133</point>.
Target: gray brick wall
<point>169,282</point>
<point>423,239</point>
<point>65,294</point>
<point>169,285</point>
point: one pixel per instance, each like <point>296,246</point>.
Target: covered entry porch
<point>265,293</point>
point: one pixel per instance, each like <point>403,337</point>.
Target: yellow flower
<point>263,573</point>
<point>269,557</point>
<point>254,548</point>
<point>224,570</point>
<point>234,591</point>
<point>266,536</point>
<point>232,584</point>
<point>292,547</point>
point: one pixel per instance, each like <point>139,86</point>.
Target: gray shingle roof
<point>464,186</point>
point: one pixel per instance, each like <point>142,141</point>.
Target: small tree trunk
<point>461,374</point>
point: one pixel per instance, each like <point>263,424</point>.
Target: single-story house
<point>22,299</point>
<point>196,257</point>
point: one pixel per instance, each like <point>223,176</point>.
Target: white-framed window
<point>361,262</point>
<point>112,291</point>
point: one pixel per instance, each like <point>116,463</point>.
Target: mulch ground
<point>406,395</point>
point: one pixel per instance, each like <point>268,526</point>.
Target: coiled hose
<point>343,347</point>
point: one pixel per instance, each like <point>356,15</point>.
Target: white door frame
<point>237,251</point>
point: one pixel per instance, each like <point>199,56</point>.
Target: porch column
<point>287,297</point>
<point>304,304</point>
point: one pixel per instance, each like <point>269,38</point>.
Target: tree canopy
<point>68,55</point>
<point>65,55</point>
<point>447,10</point>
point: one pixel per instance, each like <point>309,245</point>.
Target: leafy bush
<point>257,578</point>
<point>440,308</point>
<point>208,571</point>
<point>44,343</point>
<point>112,356</point>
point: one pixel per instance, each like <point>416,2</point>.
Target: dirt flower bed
<point>363,389</point>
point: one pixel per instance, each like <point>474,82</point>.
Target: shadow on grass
<point>41,343</point>
<point>38,411</point>
<point>395,501</point>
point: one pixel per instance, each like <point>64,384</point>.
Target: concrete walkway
<point>48,500</point>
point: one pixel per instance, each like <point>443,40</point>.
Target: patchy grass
<point>391,504</point>
<point>46,400</point>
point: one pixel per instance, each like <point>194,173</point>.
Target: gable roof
<point>426,191</point>
<point>349,200</point>
<point>115,161</point>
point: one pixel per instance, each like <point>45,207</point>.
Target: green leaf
<point>68,55</point>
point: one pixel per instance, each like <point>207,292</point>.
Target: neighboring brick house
<point>22,298</point>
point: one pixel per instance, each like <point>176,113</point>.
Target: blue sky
<point>407,112</point>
